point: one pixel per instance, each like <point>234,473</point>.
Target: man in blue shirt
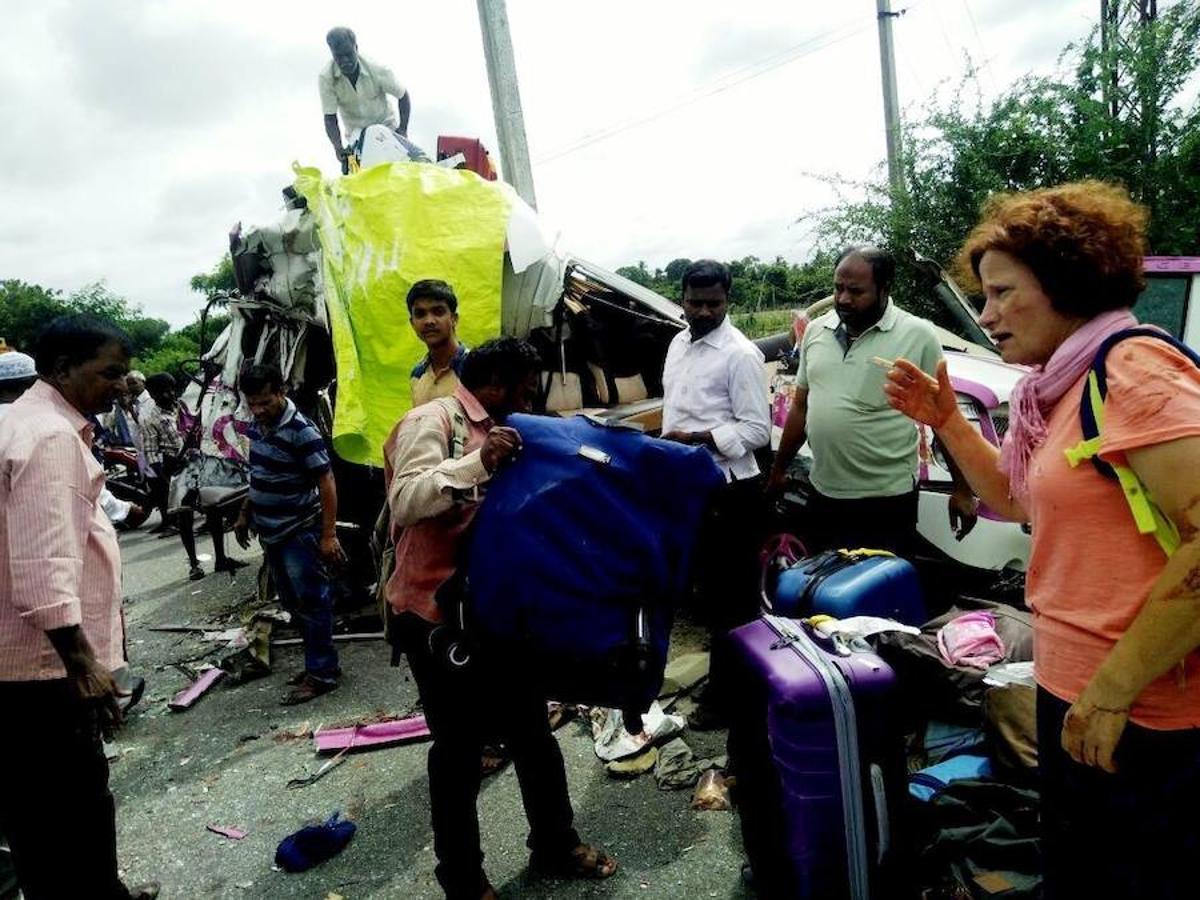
<point>293,506</point>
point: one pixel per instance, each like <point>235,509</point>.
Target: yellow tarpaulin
<point>382,230</point>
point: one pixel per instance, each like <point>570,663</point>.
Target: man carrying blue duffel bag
<point>439,459</point>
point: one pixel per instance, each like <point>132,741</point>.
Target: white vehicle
<point>1171,297</point>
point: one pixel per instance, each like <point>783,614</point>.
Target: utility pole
<point>891,102</point>
<point>506,98</point>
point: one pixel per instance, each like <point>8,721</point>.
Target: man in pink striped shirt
<point>61,631</point>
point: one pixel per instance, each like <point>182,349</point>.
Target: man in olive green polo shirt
<point>864,472</point>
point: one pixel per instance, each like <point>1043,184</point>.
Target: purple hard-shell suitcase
<point>818,757</point>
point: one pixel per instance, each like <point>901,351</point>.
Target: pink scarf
<point>1039,392</point>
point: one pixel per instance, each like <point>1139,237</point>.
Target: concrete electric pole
<point>891,102</point>
<point>506,98</point>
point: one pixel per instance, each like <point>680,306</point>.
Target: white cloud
<point>136,133</point>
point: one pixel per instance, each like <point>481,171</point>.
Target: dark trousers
<point>306,591</point>
<point>1133,834</point>
<point>463,706</point>
<point>876,523</point>
<point>727,572</point>
<point>55,807</point>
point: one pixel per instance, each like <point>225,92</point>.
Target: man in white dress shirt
<point>715,396</point>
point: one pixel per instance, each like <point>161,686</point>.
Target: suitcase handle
<point>825,641</point>
<point>883,825</point>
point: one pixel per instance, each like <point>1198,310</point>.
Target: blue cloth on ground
<point>314,844</point>
<point>924,784</point>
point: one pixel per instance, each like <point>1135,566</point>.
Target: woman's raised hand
<point>923,399</point>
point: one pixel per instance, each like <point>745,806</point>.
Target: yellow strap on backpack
<point>1146,514</point>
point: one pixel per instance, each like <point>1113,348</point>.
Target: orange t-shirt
<point>1090,571</point>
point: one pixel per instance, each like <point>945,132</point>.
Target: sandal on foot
<point>584,862</point>
<point>309,689</point>
<point>494,758</point>
<point>298,679</point>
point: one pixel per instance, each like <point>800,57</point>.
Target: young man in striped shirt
<point>293,506</point>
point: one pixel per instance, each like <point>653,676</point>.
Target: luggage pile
<point>880,752</point>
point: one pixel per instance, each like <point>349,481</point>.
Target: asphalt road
<point>227,761</point>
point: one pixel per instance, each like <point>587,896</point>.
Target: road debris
<point>227,831</point>
<point>633,766</point>
<point>376,734</point>
<point>193,692</point>
<point>339,638</point>
<point>325,769</point>
<point>614,742</point>
<point>712,792</point>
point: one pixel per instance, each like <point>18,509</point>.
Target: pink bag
<point>971,640</point>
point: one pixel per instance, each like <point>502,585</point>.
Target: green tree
<point>676,268</point>
<point>219,280</point>
<point>638,274</point>
<point>1043,131</point>
<point>25,308</point>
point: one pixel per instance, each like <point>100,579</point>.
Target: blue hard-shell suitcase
<point>845,583</point>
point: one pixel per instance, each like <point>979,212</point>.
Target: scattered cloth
<point>941,740</point>
<point>312,845</point>
<point>1018,673</point>
<point>633,766</point>
<point>678,768</point>
<point>924,784</point>
<point>712,792</point>
<point>928,687</point>
<point>971,640</point>
<point>614,742</point>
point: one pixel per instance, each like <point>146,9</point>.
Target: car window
<point>1164,302</point>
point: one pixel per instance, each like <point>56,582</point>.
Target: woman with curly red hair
<point>1116,619</point>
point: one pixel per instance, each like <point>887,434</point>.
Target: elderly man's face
<point>134,386</point>
<point>345,55</point>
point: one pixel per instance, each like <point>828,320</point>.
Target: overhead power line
<point>725,82</point>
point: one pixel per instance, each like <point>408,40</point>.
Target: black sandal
<point>584,862</point>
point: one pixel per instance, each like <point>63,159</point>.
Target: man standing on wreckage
<point>358,89</point>
<point>437,459</point>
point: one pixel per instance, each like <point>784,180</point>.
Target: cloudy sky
<point>136,132</point>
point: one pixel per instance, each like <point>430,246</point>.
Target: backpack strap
<point>1146,513</point>
<point>457,439</point>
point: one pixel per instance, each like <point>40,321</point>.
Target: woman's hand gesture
<point>923,399</point>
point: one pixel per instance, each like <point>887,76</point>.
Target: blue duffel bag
<point>846,583</point>
<point>580,552</point>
